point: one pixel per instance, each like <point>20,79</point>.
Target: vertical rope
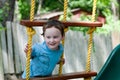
<point>65,30</point>
<point>94,10</point>
<point>30,33</point>
<point>90,41</point>
<point>65,9</point>
<point>32,10</point>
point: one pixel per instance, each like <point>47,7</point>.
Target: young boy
<point>46,55</point>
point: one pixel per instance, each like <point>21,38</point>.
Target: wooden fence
<point>13,41</point>
<point>14,38</point>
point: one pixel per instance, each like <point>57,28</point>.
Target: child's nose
<point>52,40</point>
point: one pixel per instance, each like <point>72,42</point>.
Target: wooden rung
<point>39,23</point>
<point>66,76</point>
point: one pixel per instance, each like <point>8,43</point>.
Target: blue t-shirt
<point>43,60</point>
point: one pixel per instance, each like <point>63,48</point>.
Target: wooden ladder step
<point>67,76</point>
<point>39,23</point>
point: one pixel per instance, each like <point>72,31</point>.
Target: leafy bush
<point>56,5</point>
<point>103,6</point>
<point>24,8</point>
<point>3,15</point>
<point>3,10</point>
<point>48,5</point>
<point>107,27</point>
<point>82,17</point>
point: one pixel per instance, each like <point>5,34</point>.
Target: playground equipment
<point>87,74</point>
<point>110,70</point>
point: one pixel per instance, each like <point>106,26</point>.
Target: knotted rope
<point>30,33</point>
<point>90,41</point>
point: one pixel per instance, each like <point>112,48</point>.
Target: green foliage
<point>82,17</point>
<point>50,5</point>
<point>69,14</point>
<point>3,14</point>
<point>3,11</point>
<point>110,25</point>
<point>106,28</point>
<point>82,4</point>
<point>24,8</point>
<point>103,6</point>
<point>1,27</point>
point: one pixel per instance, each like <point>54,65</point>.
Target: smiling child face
<point>53,37</point>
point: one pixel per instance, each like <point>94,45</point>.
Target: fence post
<point>1,60</point>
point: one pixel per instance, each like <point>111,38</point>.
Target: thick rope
<point>65,30</point>
<point>30,33</point>
<point>90,32</point>
<point>65,9</point>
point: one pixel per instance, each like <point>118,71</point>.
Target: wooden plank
<point>37,23</point>
<point>22,41</point>
<point>1,61</point>
<point>10,48</point>
<point>4,51</point>
<point>17,60</point>
<point>67,76</point>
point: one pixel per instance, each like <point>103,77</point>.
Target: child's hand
<point>62,60</point>
<point>26,49</point>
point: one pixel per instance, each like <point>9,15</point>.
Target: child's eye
<point>48,37</point>
<point>55,36</point>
